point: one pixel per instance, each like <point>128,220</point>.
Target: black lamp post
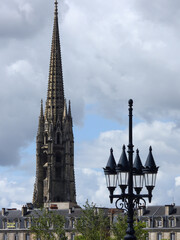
<point>129,175</point>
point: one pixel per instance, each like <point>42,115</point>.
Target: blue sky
<point>111,52</point>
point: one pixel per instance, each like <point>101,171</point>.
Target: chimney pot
<point>3,211</point>
<point>24,211</point>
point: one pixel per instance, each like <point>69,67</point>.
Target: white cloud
<point>177,181</point>
<point>164,138</point>
<point>111,51</point>
<point>14,194</point>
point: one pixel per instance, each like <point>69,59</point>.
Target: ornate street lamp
<point>110,174</point>
<point>130,175</point>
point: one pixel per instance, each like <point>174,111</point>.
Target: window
<point>58,138</point>
<point>5,224</point>
<point>159,223</point>
<point>147,223</point>
<point>58,157</point>
<point>67,223</point>
<point>5,236</point>
<point>16,224</point>
<point>159,236</point>
<point>16,236</point>
<point>27,237</point>
<point>27,223</point>
<point>172,222</point>
<point>72,223</point>
<point>72,236</point>
<point>172,236</point>
<point>58,172</point>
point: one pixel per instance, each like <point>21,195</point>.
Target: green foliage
<point>48,226</point>
<point>92,224</point>
<point>119,229</point>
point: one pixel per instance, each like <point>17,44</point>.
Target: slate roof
<point>160,211</point>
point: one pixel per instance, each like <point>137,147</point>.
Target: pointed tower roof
<point>41,111</point>
<point>41,119</point>
<point>55,92</point>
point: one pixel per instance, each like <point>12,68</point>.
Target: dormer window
<point>27,223</point>
<point>159,223</point>
<point>172,222</point>
<point>147,223</point>
<point>72,223</point>
<point>16,224</point>
<point>5,224</point>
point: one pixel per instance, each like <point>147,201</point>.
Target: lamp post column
<point>130,230</point>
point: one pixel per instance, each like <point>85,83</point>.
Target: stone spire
<point>41,120</point>
<point>55,93</point>
<point>55,178</point>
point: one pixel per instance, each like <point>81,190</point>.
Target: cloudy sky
<point>111,51</point>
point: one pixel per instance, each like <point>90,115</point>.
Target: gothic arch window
<point>46,138</point>
<point>58,138</point>
<point>58,157</point>
<point>57,199</point>
<point>58,172</point>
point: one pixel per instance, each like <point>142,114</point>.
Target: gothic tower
<point>55,181</point>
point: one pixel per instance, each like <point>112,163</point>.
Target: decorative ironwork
<point>121,205</point>
<point>139,202</point>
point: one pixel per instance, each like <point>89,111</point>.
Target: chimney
<point>24,211</point>
<point>169,209</point>
<point>3,211</point>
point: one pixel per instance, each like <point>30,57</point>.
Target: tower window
<point>58,172</point>
<point>58,138</point>
<point>58,157</point>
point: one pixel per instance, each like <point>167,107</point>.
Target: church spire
<point>55,92</point>
<point>55,179</point>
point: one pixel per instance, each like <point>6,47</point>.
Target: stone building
<point>55,180</point>
<point>15,224</point>
<point>162,222</point>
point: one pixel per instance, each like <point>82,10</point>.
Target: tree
<point>119,229</point>
<point>92,224</point>
<point>48,225</point>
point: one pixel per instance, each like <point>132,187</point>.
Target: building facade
<point>15,224</point>
<point>162,222</point>
<point>55,180</point>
